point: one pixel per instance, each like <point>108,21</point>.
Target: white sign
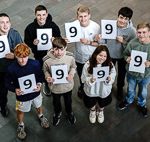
<point>44,36</point>
<point>59,73</point>
<point>101,73</point>
<point>73,31</point>
<point>109,29</point>
<point>138,59</point>
<point>27,83</point>
<point>4,46</point>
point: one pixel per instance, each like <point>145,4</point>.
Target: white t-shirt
<point>83,52</point>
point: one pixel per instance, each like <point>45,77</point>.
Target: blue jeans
<point>142,89</point>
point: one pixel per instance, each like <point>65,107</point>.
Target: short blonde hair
<point>143,25</point>
<point>82,9</point>
<point>22,50</point>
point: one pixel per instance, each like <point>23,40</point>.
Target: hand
<point>19,92</point>
<point>93,79</point>
<point>85,41</point>
<point>10,55</point>
<point>128,60</point>
<point>97,37</point>
<point>69,77</point>
<point>147,64</point>
<point>36,41</point>
<point>38,87</point>
<point>119,39</point>
<point>49,80</point>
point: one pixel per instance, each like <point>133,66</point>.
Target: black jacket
<point>30,34</point>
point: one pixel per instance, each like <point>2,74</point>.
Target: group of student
<point>92,51</point>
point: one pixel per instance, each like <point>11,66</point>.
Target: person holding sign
<point>13,38</point>
<point>125,33</point>
<point>59,69</point>
<point>24,77</point>
<point>134,78</point>
<point>87,45</point>
<point>43,21</point>
<point>97,93</point>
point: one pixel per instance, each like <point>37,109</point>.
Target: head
<point>124,16</point>
<point>4,24</point>
<point>41,14</point>
<point>143,32</point>
<point>100,56</point>
<point>59,47</point>
<point>22,52</point>
<point>83,15</point>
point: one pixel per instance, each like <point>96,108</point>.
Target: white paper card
<point>27,83</point>
<point>138,59</point>
<point>109,29</point>
<point>101,73</point>
<point>44,36</point>
<point>59,73</point>
<point>4,46</point>
<point>73,31</point>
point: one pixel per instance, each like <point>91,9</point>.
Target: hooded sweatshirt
<point>31,33</point>
<point>67,59</point>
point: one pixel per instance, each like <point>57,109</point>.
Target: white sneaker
<point>92,116</point>
<point>100,116</point>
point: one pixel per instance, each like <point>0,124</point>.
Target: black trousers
<point>79,71</point>
<point>3,91</point>
<point>121,63</point>
<point>67,101</point>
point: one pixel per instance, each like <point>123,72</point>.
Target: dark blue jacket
<point>16,71</point>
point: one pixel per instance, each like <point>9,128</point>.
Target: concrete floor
<point>126,126</point>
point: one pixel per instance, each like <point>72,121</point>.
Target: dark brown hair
<point>93,61</point>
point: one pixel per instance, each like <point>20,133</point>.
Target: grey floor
<point>126,126</point>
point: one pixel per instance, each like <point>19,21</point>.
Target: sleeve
<point>127,51</point>
<point>9,81</point>
<point>46,70</point>
<point>85,77</point>
<point>55,30</point>
<point>39,73</point>
<point>73,67</point>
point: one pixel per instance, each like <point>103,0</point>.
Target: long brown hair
<point>93,61</point>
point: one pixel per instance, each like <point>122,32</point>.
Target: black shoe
<point>71,118</point>
<point>45,90</point>
<point>4,111</point>
<point>143,109</point>
<point>123,105</point>
<point>56,119</point>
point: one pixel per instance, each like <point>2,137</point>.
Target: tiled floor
<point>126,126</point>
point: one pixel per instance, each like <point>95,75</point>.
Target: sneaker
<point>123,105</point>
<point>20,132</point>
<point>45,90</point>
<point>100,116</point>
<point>4,111</point>
<point>143,110</point>
<point>56,119</point>
<point>44,122</point>
<point>71,118</point>
<point>92,116</point>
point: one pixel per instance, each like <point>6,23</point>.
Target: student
<point>97,94</point>
<point>86,46</point>
<point>134,79</point>
<point>42,20</point>
<point>21,68</point>
<point>13,39</point>
<point>125,33</point>
<point>56,56</point>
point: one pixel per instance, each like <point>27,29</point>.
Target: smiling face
<point>41,17</point>
<point>101,57</point>
<point>84,18</point>
<point>4,25</point>
<point>143,35</point>
<point>122,21</point>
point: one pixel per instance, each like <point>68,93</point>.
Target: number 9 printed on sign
<point>27,83</point>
